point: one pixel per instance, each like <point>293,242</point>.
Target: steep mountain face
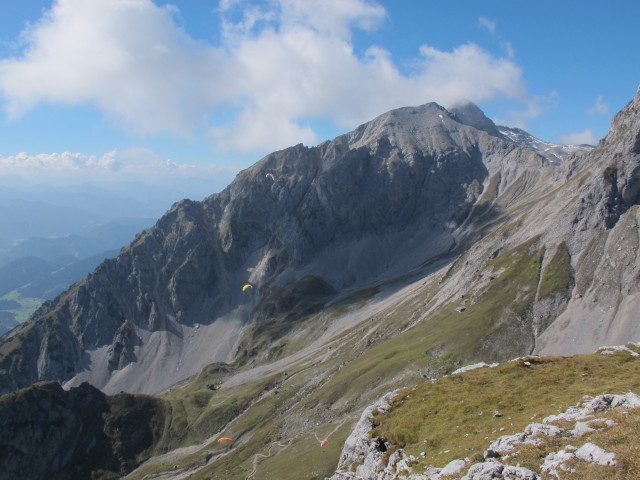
<point>333,214</point>
<point>601,230</point>
<point>307,227</point>
<point>424,240</point>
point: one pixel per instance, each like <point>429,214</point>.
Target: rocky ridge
<point>553,152</point>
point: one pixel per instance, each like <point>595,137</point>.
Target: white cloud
<point>489,25</point>
<point>279,66</point>
<point>584,137</point>
<point>134,163</point>
<point>534,106</point>
<point>335,17</point>
<point>125,56</point>
<point>600,107</point>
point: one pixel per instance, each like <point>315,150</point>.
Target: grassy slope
<point>279,421</point>
<point>453,417</point>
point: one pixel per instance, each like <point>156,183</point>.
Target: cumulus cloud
<point>278,66</point>
<point>600,107</point>
<point>127,57</point>
<point>134,163</point>
<point>584,137</point>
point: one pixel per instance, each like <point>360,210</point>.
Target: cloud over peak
<point>277,66</point>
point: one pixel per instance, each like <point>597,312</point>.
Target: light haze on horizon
<point>167,91</point>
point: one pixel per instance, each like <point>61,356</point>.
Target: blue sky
<point>170,90</point>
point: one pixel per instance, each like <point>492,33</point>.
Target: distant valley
<point>52,236</point>
<point>39,269</point>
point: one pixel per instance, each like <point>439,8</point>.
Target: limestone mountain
<point>324,223</point>
<point>327,221</point>
<point>424,240</point>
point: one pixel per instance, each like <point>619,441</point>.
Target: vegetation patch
<point>458,416</point>
<point>558,274</point>
<point>198,411</point>
<point>20,307</point>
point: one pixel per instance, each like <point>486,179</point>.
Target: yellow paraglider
<point>246,287</point>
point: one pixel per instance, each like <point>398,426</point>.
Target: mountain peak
<point>623,136</point>
<point>428,127</point>
<point>468,113</point>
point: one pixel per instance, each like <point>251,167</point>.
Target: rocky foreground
<point>370,457</point>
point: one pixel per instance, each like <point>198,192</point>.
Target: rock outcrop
<point>49,433</point>
<point>363,456</point>
<point>366,457</point>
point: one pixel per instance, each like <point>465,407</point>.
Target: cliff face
<point>310,226</point>
<point>600,226</point>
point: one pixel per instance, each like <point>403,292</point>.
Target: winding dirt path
<point>251,476</point>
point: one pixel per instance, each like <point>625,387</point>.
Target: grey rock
<point>617,348</point>
<point>593,454</point>
<point>555,462</point>
<point>468,368</point>
<point>495,470</point>
<point>506,443</point>
<point>580,429</point>
<point>453,467</point>
<point>606,401</point>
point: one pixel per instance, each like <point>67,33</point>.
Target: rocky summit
<point>323,277</point>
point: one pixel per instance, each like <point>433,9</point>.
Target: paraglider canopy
<point>247,286</point>
<point>273,177</point>
<point>324,442</point>
<point>225,439</point>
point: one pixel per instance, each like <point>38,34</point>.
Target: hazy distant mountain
<point>423,240</point>
<point>21,219</point>
<point>41,268</point>
<point>7,319</point>
<point>38,210</point>
<point>38,278</point>
<point>87,242</point>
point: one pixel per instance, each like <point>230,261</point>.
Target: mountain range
<point>38,268</point>
<point>424,240</point>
